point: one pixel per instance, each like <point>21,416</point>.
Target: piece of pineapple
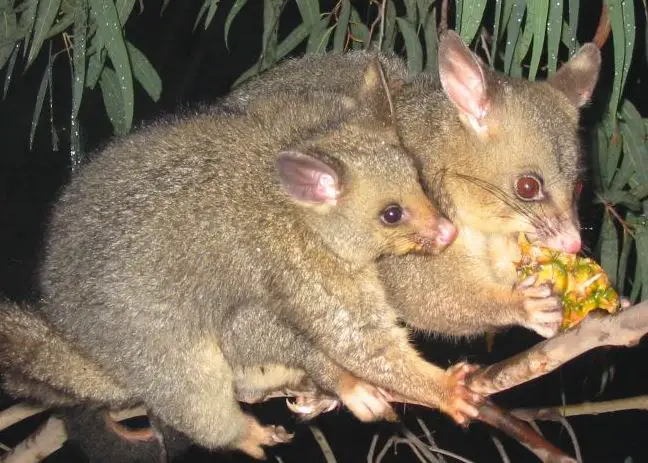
<point>580,281</point>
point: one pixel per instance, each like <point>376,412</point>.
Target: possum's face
<point>362,196</point>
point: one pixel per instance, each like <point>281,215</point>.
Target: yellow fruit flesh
<point>580,281</point>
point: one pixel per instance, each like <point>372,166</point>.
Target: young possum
<point>499,155</point>
<point>196,248</point>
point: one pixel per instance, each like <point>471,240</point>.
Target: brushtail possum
<point>196,249</point>
<point>499,155</point>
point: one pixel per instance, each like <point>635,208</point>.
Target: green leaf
<point>609,247</point>
<point>411,11</point>
<point>359,30</point>
<point>319,37</point>
<point>601,179</point>
<point>431,37</point>
<point>27,20</point>
<point>288,44</point>
<point>471,19</point>
<point>109,29</point>
<point>458,13</point>
<point>631,116</point>
<point>513,33</point>
<point>8,28</point>
<point>79,54</point>
<point>622,197</point>
<point>124,9</point>
<point>619,11</point>
<point>570,38</point>
<point>201,13</point>
<point>496,31</point>
<point>640,192</point>
<point>144,72</point>
<point>236,8</point>
<point>309,11</point>
<point>45,16</point>
<point>554,32</point>
<point>390,27</point>
<point>10,68</point>
<point>537,18</point>
<point>641,238</point>
<point>624,257</point>
<point>412,46</point>
<point>96,63</point>
<point>341,28</point>
<point>634,146</point>
<point>297,36</point>
<point>213,7</point>
<point>112,96</point>
<point>38,108</point>
<point>524,44</point>
<point>507,9</point>
<point>271,13</point>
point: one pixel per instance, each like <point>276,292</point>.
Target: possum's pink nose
<point>567,242</point>
<point>446,232</point>
<point>572,245</point>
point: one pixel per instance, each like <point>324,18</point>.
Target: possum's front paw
<point>366,401</point>
<point>542,307</point>
<point>258,436</point>
<point>459,402</point>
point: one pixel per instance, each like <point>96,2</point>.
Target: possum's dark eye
<point>392,214</point>
<point>528,188</point>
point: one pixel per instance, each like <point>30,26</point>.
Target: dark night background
<point>196,67</point>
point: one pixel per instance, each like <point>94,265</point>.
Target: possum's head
<point>517,162</point>
<point>359,189</point>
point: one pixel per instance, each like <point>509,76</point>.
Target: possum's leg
<point>254,336</point>
<point>192,390</point>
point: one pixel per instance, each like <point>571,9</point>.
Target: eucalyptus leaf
<point>513,34</point>
<point>411,11</point>
<point>8,28</point>
<point>109,29</point>
<point>211,12</point>
<point>45,16</point>
<point>359,30</point>
<point>622,197</point>
<point>96,63</point>
<point>570,38</point>
<point>9,71</point>
<point>609,247</point>
<point>233,12</point>
<point>624,257</point>
<point>390,27</point>
<point>27,19</point>
<point>342,26</point>
<point>634,146</point>
<point>471,19</point>
<point>111,92</point>
<point>554,33</point>
<point>412,46</point>
<point>496,31</point>
<point>269,41</point>
<point>538,11</point>
<point>38,107</point>
<point>319,36</point>
<point>144,72</point>
<point>431,37</point>
<point>310,11</point>
<point>124,9</point>
<point>79,54</point>
<point>641,239</point>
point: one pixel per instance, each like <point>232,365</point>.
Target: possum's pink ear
<point>307,179</point>
<point>463,81</point>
